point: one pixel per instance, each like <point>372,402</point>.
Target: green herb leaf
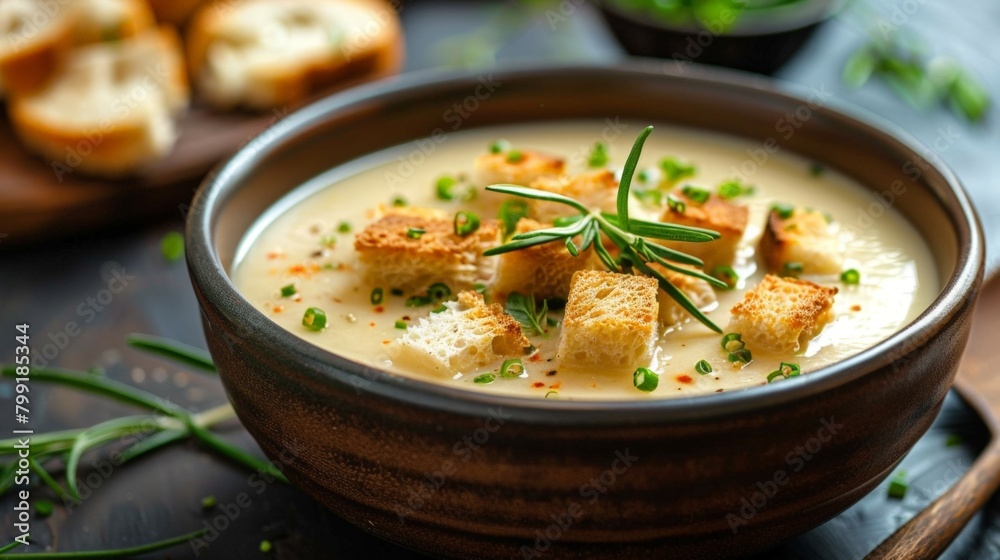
<point>444,188</point>
<point>172,246</point>
<point>523,309</point>
<point>485,379</point>
<point>599,156</point>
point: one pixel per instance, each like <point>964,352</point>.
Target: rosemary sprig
<point>625,232</point>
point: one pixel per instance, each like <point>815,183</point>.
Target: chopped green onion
<point>793,268</point>
<point>555,394</point>
<point>676,204</point>
<point>438,291</point>
<point>43,508</point>
<point>378,295</point>
<point>445,188</point>
<point>643,176</point>
<point>328,241</point>
<point>742,355</point>
<point>481,288</point>
<point>850,276</point>
<point>511,212</point>
<point>401,324</point>
<point>172,246</point>
<point>512,368</point>
<point>645,380</point>
<point>440,308</point>
<point>726,273</point>
<point>674,169</point>
<point>598,155</point>
<point>499,146</point>
<point>314,319</point>
<point>783,210</point>
<point>209,502</point>
<point>288,291</point>
<point>898,485</point>
<point>265,546</point>
<point>729,339</point>
<point>816,170</point>
<point>733,188</point>
<point>415,233</point>
<point>398,201</point>
<point>418,301</point>
<point>515,156</point>
<point>774,375</point>
<point>466,223</point>
<point>649,197</point>
<point>696,194</point>
<point>785,370</point>
<point>485,379</point>
<point>344,227</point>
<point>703,367</point>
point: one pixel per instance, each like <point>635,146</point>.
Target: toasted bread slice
<point>804,237</point>
<point>610,320</point>
<point>110,109</point>
<point>174,12</point>
<point>697,290</point>
<point>261,54</point>
<point>467,335</point>
<point>780,314</point>
<point>35,37</point>
<point>397,258</point>
<point>716,213</point>
<point>593,189</point>
<point>544,271</point>
<point>111,20</point>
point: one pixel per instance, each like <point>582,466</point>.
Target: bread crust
<point>780,314</point>
<point>727,218</point>
<point>30,55</point>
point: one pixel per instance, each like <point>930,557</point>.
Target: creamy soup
<point>307,241</point>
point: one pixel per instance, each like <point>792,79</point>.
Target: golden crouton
<point>780,314</point>
<point>697,290</point>
<point>610,320</point>
<point>717,214</point>
<point>593,189</point>
<point>544,271</point>
<point>467,335</point>
<point>521,167</point>
<point>410,252</point>
<point>802,241</point>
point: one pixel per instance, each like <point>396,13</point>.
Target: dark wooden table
<point>160,495</point>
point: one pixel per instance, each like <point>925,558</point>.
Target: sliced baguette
<point>110,109</point>
<point>35,37</point>
<point>468,334</point>
<point>261,54</point>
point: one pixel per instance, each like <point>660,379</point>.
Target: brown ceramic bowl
<point>458,474</point>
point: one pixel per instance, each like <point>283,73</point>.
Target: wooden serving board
<point>37,203</point>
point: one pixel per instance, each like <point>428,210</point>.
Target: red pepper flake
<point>684,379</point>
<point>372,325</point>
<point>855,308</point>
<point>538,385</point>
<point>555,385</point>
<point>379,309</point>
<point>278,308</point>
<point>386,341</point>
<point>536,357</point>
<point>275,255</point>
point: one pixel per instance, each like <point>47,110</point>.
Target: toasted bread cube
<point>544,271</point>
<point>780,314</point>
<point>593,189</point>
<point>804,237</point>
<point>697,290</point>
<point>717,214</point>
<point>500,168</point>
<point>467,335</point>
<point>396,259</point>
<point>610,320</point>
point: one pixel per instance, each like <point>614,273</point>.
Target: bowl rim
<point>214,286</point>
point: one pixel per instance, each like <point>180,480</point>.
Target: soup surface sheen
<point>897,283</point>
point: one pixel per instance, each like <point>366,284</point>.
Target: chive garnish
<point>401,324</point>
<point>676,204</point>
<point>398,201</point>
<point>344,227</point>
<point>898,485</point>
<point>265,546</point>
<point>485,379</point>
<point>511,212</point>
<point>172,246</point>
<point>732,342</point>
<point>209,502</point>
<point>703,367</point>
<point>785,370</point>
<point>439,291</point>
<point>645,380</point>
<point>674,169</point>
<point>445,188</point>
<point>696,194</point>
<point>499,146</point>
<point>440,308</point>
<point>511,368</point>
<point>628,234</point>
<point>649,197</point>
<point>599,156</point>
<point>415,233</point>
<point>742,355</point>
<point>515,156</point>
<point>466,223</point>
<point>726,273</point>
<point>850,276</point>
<point>733,188</point>
<point>314,319</point>
<point>783,210</point>
<point>793,268</point>
<point>418,301</point>
<point>43,508</point>
<point>553,394</point>
<point>288,291</point>
<point>378,295</point>
<point>643,176</point>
